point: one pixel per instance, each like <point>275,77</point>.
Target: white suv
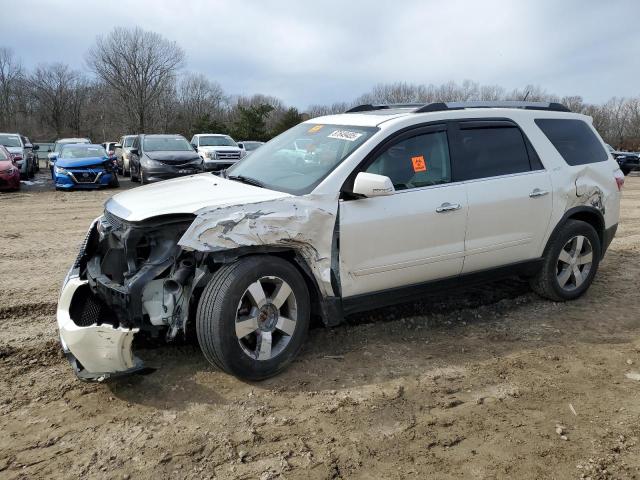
<point>385,204</point>
<point>216,150</point>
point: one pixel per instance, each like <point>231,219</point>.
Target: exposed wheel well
<point>593,218</point>
<point>289,255</point>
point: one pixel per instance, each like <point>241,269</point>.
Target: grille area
<point>116,222</point>
<point>85,177</point>
<point>229,155</point>
<point>86,309</point>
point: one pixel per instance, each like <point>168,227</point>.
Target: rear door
<point>509,193</point>
<point>414,235</point>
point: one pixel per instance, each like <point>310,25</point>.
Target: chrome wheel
<point>574,263</point>
<point>266,318</point>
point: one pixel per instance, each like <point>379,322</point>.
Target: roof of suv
<point>374,115</point>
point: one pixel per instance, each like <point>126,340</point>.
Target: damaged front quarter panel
<point>304,224</point>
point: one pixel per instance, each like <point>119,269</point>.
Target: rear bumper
<point>96,352</point>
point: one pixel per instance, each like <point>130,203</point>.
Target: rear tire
<point>247,337</point>
<point>570,262</point>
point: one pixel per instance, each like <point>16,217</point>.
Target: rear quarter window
<point>574,140</point>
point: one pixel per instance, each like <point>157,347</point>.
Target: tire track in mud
<point>35,309</point>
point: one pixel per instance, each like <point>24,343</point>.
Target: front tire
<point>570,262</point>
<point>134,178</point>
<point>253,317</point>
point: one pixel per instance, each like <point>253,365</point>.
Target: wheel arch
<point>587,214</point>
<point>328,309</point>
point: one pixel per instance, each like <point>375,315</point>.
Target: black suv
<point>628,161</point>
<point>160,157</point>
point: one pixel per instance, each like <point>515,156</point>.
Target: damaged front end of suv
<point>128,277</point>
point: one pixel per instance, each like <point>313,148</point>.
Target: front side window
<point>490,152</point>
<point>166,144</point>
<point>419,161</point>
<point>297,160</point>
<point>574,140</point>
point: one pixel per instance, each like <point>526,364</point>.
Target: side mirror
<point>36,147</point>
<point>372,185</point>
<point>195,147</point>
<point>133,151</point>
<point>240,145</point>
<point>52,155</point>
<point>49,150</point>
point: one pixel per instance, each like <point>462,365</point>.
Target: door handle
<point>448,207</point>
<point>538,193</point>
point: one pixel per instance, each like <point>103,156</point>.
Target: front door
<point>416,234</point>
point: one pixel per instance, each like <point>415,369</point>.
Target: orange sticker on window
<point>315,128</point>
<point>419,165</point>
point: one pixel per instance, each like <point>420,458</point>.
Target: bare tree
<point>11,75</point>
<point>198,98</point>
<point>138,64</point>
<point>53,86</point>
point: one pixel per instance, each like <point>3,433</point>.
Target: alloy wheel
<point>574,263</point>
<point>266,318</point>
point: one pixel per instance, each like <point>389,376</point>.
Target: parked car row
<point>21,151</point>
<point>628,161</point>
<point>79,163</point>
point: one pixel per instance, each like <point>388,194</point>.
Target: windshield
<point>249,146</point>
<point>10,140</point>
<point>82,151</point>
<point>283,165</point>
<point>128,142</point>
<point>216,141</point>
<point>166,144</point>
<point>58,145</point>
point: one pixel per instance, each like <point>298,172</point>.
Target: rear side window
<point>574,140</point>
<point>490,152</point>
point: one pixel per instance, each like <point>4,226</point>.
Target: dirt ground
<point>490,382</point>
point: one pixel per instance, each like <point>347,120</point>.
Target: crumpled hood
<point>173,157</point>
<point>185,195</point>
<point>80,162</point>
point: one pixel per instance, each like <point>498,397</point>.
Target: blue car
<point>82,165</point>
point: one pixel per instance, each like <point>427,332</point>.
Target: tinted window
<point>574,140</point>
<point>418,161</point>
<point>490,152</point>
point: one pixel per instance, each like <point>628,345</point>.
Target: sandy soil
<point>491,382</point>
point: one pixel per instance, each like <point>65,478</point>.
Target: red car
<point>9,172</point>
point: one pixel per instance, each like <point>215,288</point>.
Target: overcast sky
<point>324,51</point>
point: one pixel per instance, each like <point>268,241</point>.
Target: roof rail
<point>443,106</point>
<point>367,107</point>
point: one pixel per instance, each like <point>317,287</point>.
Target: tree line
<point>136,83</point>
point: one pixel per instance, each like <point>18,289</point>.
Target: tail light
<point>619,176</point>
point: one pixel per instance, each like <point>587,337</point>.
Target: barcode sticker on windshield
<point>345,135</point>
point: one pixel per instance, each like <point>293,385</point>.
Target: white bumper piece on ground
<point>96,352</point>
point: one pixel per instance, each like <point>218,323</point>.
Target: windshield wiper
<point>247,180</point>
